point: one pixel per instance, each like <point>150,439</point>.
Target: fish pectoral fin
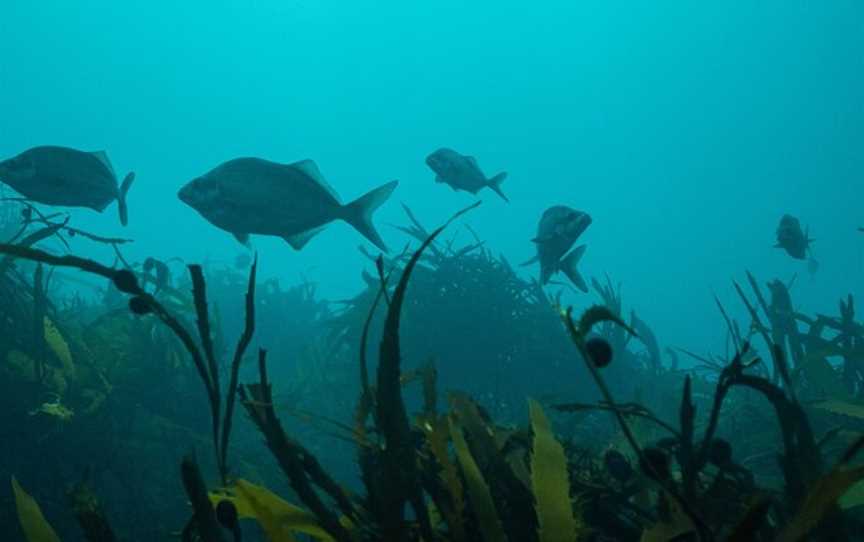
<point>299,240</point>
<point>568,267</point>
<point>242,238</point>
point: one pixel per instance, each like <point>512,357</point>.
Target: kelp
<point>278,519</point>
<point>488,522</point>
<point>550,482</point>
<point>204,523</point>
<point>299,464</point>
<point>126,282</point>
<point>822,497</point>
<point>494,482</point>
<point>591,317</point>
<point>36,528</point>
<point>400,479</point>
<point>91,517</point>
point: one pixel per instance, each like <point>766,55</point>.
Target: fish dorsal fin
<point>299,240</point>
<point>102,156</point>
<point>309,168</point>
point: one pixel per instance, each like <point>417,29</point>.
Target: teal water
<point>685,130</point>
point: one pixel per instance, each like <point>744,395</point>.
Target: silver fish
<point>462,172</point>
<point>67,177</point>
<point>558,230</point>
<point>293,201</point>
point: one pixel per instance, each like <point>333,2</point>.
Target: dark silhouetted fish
<point>66,177</point>
<point>293,201</point>
<point>462,172</point>
<point>795,241</point>
<point>559,228</point>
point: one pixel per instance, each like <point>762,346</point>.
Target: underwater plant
<point>465,476</point>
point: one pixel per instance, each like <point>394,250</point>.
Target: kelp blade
<point>823,495</point>
<point>278,518</point>
<point>550,482</point>
<point>36,528</point>
<point>55,341</point>
<point>481,499</point>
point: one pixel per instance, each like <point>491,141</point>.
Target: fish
<point>558,230</point>
<point>795,241</point>
<point>67,177</point>
<point>247,196</point>
<point>462,172</point>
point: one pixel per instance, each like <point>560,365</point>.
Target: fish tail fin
<point>121,197</point>
<point>495,184</point>
<point>359,212</point>
<point>568,267</point>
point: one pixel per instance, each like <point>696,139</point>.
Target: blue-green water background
<point>685,129</point>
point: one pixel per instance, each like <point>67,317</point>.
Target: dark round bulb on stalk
<point>139,306</point>
<point>226,514</point>
<point>655,464</point>
<point>720,452</point>
<point>126,282</point>
<point>599,350</point>
<point>617,465</point>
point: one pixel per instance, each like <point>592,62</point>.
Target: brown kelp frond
<point>400,479</point>
<point>482,503</point>
<point>578,333</point>
<point>299,464</point>
<point>204,516</point>
<point>627,409</point>
<point>821,500</point>
<point>239,351</point>
<point>143,302</point>
<point>90,514</point>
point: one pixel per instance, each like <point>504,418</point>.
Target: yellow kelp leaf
<point>278,518</point>
<point>59,346</point>
<point>33,523</point>
<point>823,494</point>
<point>481,499</point>
<point>436,430</point>
<point>846,408</point>
<point>550,482</point>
